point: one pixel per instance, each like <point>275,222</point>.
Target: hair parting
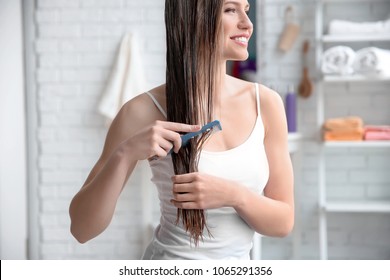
<point>192,36</point>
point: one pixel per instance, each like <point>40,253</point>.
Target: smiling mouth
<point>241,39</point>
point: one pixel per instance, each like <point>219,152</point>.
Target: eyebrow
<point>236,3</point>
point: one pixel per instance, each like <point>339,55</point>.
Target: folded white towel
<point>372,61</point>
<point>344,27</point>
<point>126,79</point>
<point>338,60</point>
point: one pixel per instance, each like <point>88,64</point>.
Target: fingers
<point>186,205</point>
<point>173,138</point>
<point>172,129</point>
<point>185,192</point>
<point>179,127</point>
<point>187,183</point>
<point>162,148</point>
<point>165,144</point>
<point>161,143</point>
<point>183,196</point>
<point>169,131</point>
<point>181,189</point>
<point>185,178</point>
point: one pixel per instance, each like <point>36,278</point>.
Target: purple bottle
<point>291,109</point>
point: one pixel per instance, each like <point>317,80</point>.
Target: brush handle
<point>188,136</point>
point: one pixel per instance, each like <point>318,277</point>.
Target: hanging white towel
<point>372,61</point>
<point>338,60</point>
<point>126,79</point>
<point>344,27</point>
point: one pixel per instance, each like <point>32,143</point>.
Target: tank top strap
<point>160,108</point>
<point>257,98</point>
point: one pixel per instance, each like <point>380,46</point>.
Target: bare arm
<point>92,208</point>
<point>135,134</point>
<point>271,214</point>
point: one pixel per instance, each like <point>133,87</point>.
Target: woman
<point>221,188</point>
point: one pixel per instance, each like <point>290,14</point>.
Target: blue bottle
<point>291,109</point>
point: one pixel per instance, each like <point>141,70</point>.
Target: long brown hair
<point>192,38</point>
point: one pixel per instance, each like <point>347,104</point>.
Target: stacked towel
<point>343,60</point>
<point>372,61</point>
<point>377,132</point>
<point>344,27</point>
<point>343,129</point>
<point>126,79</point>
<point>347,123</point>
<point>338,60</point>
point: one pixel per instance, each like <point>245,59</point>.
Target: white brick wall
<point>75,46</point>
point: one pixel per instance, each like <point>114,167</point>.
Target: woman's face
<point>236,29</point>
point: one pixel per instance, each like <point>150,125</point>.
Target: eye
<point>230,10</point>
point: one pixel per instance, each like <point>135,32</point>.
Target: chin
<point>242,58</point>
<point>238,57</point>
<point>245,57</point>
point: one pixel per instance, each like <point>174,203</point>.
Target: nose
<point>245,22</point>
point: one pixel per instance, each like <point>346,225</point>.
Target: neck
<point>221,86</point>
<point>220,81</point>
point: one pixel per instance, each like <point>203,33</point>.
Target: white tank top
<point>231,235</point>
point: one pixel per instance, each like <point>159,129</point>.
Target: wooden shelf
<point>357,144</point>
<point>355,38</point>
<point>357,206</point>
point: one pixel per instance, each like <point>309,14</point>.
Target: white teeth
<point>241,39</point>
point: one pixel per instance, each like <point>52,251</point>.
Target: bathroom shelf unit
<point>356,144</point>
<point>337,206</point>
<point>354,78</point>
<point>347,206</point>
<point>352,38</point>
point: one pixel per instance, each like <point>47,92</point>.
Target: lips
<point>241,39</point>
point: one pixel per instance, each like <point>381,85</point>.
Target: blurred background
<point>66,67</point>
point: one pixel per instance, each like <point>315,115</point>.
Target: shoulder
<point>134,115</point>
<point>271,107</point>
<point>269,97</point>
<point>141,108</point>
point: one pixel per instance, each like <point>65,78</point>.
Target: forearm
<point>91,210</point>
<point>265,215</point>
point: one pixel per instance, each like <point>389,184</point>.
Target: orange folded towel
<point>351,135</point>
<point>343,129</point>
<point>347,123</point>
